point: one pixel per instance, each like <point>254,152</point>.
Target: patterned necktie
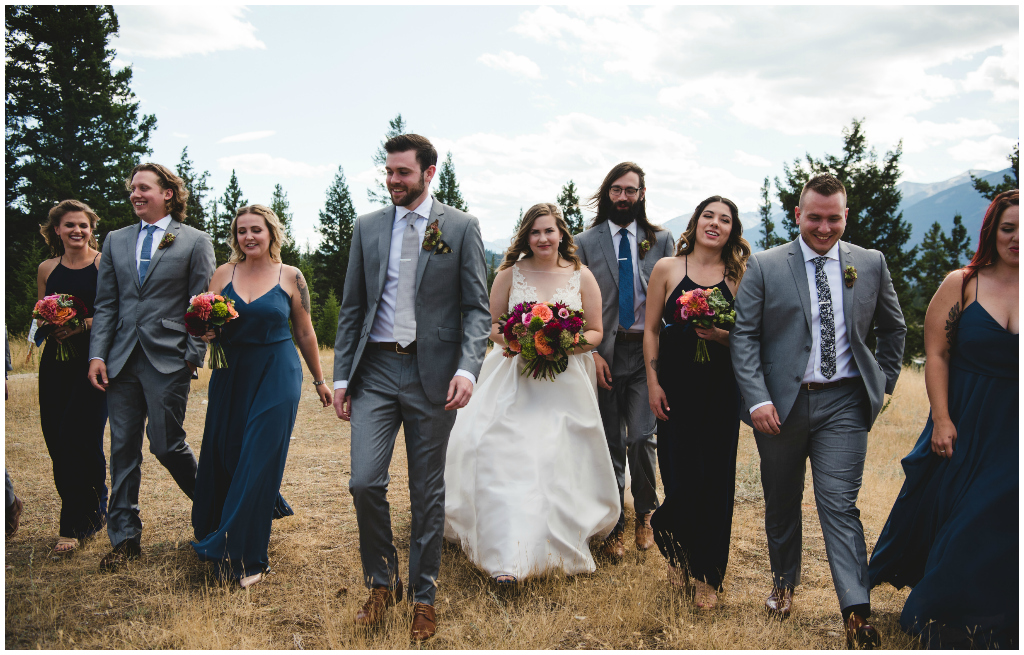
<point>147,251</point>
<point>626,314</point>
<point>405,304</point>
<point>828,319</point>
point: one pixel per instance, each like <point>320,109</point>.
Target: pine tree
<point>337,220</point>
<point>279,205</point>
<point>569,201</point>
<point>326,326</point>
<point>197,189</point>
<point>231,202</point>
<point>768,237</point>
<point>989,191</point>
<point>381,196</point>
<point>447,190</point>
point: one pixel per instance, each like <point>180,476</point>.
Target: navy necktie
<point>626,313</point>
<point>147,251</point>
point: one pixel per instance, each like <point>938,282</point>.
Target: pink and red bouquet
<point>205,312</point>
<point>543,334</point>
<point>706,308</point>
<point>62,309</point>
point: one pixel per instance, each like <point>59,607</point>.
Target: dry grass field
<point>169,599</point>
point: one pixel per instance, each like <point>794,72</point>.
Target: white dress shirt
<point>384,322</point>
<point>639,297</point>
<point>845,366</point>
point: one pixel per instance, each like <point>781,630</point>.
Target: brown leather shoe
<point>780,602</point>
<point>124,552</point>
<point>381,599</point>
<point>14,516</point>
<point>424,622</point>
<point>644,533</point>
<point>861,635</point>
<point>613,548</point>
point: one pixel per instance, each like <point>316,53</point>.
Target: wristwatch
<point>317,383</point>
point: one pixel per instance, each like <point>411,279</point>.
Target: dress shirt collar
<point>163,223</point>
<point>616,228</point>
<point>810,255</point>
<point>422,210</point>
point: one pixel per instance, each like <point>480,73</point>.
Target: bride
<point>528,477</point>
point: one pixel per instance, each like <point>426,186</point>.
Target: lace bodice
<point>523,291</point>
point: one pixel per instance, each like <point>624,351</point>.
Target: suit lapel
<point>604,237</point>
<point>174,227</point>
<point>386,225</point>
<point>846,259</point>
<point>436,214</point>
<point>797,266</point>
<point>131,239</point>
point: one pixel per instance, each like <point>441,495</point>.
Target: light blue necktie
<point>626,313</point>
<point>147,251</point>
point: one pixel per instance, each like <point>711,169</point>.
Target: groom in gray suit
<point>621,247</point>
<point>412,332</point>
<point>139,351</point>
<point>804,313</point>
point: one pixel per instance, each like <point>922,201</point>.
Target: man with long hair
<point>621,247</point>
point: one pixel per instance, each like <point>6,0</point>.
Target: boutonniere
<point>643,247</point>
<point>432,236</point>
<point>849,274</point>
<point>166,241</point>
<point>442,248</point>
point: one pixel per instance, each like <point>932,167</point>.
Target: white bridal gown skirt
<point>528,478</point>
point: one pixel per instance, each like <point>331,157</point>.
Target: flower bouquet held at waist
<point>543,334</point>
<point>205,312</point>
<point>61,309</point>
<point>705,308</point>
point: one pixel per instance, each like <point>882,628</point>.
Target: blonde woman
<point>253,402</point>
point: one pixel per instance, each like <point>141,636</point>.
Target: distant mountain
<point>914,192</point>
<point>498,245</point>
<point>751,226</point>
<point>940,204</point>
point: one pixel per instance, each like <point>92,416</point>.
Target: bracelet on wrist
<point>317,383</point>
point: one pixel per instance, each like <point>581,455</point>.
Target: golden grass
<point>169,599</point>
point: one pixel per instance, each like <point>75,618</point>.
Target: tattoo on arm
<point>300,282</point>
<point>952,323</point>
<point>654,364</point>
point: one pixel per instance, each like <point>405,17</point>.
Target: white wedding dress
<point>528,477</point>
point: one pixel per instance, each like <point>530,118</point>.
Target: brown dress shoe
<point>613,548</point>
<point>381,599</point>
<point>424,622</point>
<point>124,552</point>
<point>14,516</point>
<point>780,602</point>
<point>644,532</point>
<point>861,635</point>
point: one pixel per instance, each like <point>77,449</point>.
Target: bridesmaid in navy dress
<point>953,534</point>
<point>73,414</point>
<point>253,402</point>
<point>697,403</point>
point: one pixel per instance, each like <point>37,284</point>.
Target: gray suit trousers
<point>831,427</point>
<point>629,426</point>
<point>136,393</point>
<point>387,393</point>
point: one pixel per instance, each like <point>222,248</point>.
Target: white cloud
<point>989,154</point>
<point>512,63</point>
<point>999,75</point>
<point>163,31</point>
<point>179,135</point>
<point>584,75</point>
<point>746,159</point>
<point>247,136</point>
<point>261,163</point>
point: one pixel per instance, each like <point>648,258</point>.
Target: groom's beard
<point>624,212</point>
<point>410,192</point>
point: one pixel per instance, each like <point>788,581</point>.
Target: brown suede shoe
<point>14,516</point>
<point>381,599</point>
<point>861,635</point>
<point>613,548</point>
<point>424,622</point>
<point>644,533</point>
<point>120,555</point>
<point>780,602</point>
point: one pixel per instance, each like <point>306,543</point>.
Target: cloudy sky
<point>707,100</point>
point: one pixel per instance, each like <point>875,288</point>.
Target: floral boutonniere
<point>643,247</point>
<point>166,241</point>
<point>432,236</point>
<point>442,248</point>
<point>849,274</point>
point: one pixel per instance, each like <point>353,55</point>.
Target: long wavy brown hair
<point>57,214</point>
<point>601,201</point>
<point>986,253</point>
<point>177,206</point>
<point>736,251</point>
<point>521,241</point>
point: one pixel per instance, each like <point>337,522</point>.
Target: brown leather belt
<point>819,386</point>
<point>393,347</point>
<point>629,336</point>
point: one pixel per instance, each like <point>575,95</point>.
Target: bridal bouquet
<point>61,309</point>
<point>206,311</point>
<point>543,334</point>
<point>706,308</point>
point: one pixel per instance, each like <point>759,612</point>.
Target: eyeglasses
<point>630,191</point>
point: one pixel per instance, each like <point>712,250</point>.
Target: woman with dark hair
<point>528,475</point>
<point>953,534</point>
<point>697,403</point>
<point>73,414</point>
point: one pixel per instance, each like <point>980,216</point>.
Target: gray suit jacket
<point>153,313</point>
<point>770,344</point>
<point>453,317</point>
<point>596,251</point>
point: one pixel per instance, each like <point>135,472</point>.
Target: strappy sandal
<point>679,578</point>
<point>506,580</point>
<point>65,546</point>
<point>705,596</point>
<point>256,578</point>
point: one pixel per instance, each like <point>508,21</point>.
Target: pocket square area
<point>443,248</point>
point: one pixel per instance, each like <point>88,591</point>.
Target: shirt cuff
<point>99,358</point>
<point>767,402</point>
<point>340,384</point>
<point>466,374</point>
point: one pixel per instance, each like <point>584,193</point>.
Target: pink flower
<point>202,304</point>
<point>563,313</point>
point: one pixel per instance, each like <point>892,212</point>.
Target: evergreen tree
<point>197,189</point>
<point>72,127</point>
<point>569,201</point>
<point>326,326</point>
<point>337,220</point>
<point>381,196</point>
<point>279,205</point>
<point>989,191</point>
<point>768,237</point>
<point>447,189</point>
<point>231,201</point>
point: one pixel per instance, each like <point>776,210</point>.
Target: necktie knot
<point>819,262</point>
<point>624,232</point>
<point>150,229</point>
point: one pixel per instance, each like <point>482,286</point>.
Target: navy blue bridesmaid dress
<point>953,533</point>
<point>249,421</point>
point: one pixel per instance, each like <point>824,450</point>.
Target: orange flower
<point>64,314</point>
<point>576,338</point>
<point>514,346</point>
<point>541,343</point>
<point>543,312</point>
